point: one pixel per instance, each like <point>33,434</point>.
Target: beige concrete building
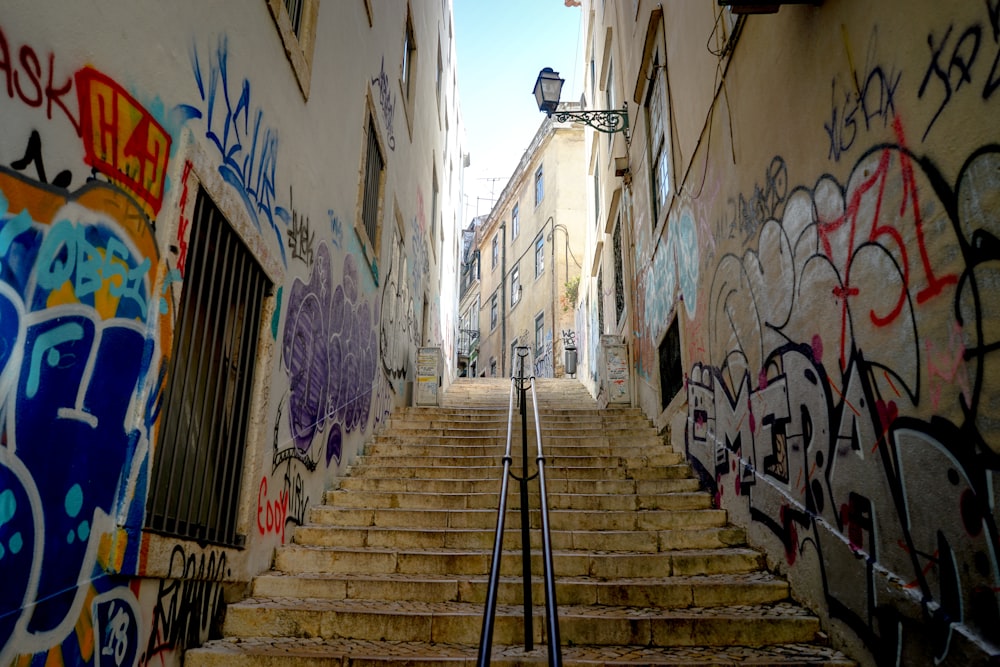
<point>529,248</point>
<point>225,230</point>
<point>800,263</point>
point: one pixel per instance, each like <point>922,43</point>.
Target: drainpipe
<point>503,300</point>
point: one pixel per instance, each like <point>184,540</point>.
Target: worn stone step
<point>390,517</point>
<point>391,448</point>
<point>595,502</point>
<point>664,592</point>
<point>295,558</point>
<point>553,460</point>
<point>458,622</point>
<point>614,486</point>
<point>289,652</point>
<point>642,541</point>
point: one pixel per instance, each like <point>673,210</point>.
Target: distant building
<point>225,229</point>
<point>528,254</point>
<point>791,267</point>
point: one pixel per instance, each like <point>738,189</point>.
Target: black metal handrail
<point>520,382</point>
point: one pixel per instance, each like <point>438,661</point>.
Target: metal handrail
<point>551,614</point>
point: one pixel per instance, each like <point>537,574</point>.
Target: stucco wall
<point>93,247</point>
<point>830,251</point>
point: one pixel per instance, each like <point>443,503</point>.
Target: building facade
<point>529,253</point>
<point>806,228</point>
<point>224,231</point>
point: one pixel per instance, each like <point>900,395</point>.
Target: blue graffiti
<point>74,346</point>
<point>247,147</point>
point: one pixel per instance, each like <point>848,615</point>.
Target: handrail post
<point>529,629</point>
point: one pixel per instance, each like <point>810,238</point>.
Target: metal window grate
<point>294,8</point>
<point>195,486</point>
<point>374,165</point>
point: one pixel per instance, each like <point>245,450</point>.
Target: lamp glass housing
<point>548,88</point>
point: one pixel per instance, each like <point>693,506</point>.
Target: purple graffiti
<point>329,355</point>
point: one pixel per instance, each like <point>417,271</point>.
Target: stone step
<point>391,517</point>
<point>390,448</point>
<point>449,538</point>
<point>676,592</point>
<point>319,652</point>
<point>678,471</point>
<point>428,500</point>
<point>459,622</point>
<point>616,486</point>
<point>553,461</point>
<point>297,559</point>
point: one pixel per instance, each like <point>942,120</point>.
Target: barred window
<point>195,484</point>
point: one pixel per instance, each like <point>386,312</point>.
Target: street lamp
<point>548,88</point>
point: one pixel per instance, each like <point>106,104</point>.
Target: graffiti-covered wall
<point>120,123</point>
<point>829,250</point>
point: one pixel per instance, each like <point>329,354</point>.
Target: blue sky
<point>501,46</point>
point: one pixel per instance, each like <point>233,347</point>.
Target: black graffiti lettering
<point>33,156</point>
<point>188,601</point>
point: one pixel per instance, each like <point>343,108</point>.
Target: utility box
<point>428,376</point>
<point>615,371</point>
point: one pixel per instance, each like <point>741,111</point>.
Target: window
<point>195,485</point>
<point>539,255</point>
<point>539,335</point>
<point>515,285</point>
<point>515,222</point>
<point>609,86</point>
<point>671,377</point>
<point>600,302</point>
<point>434,207</point>
<point>474,316</point>
<point>619,271</point>
<point>656,124</point>
<point>409,58</point>
<point>493,312</point>
<point>296,23</point>
<point>439,75</point>
<point>539,191</point>
<point>493,366</point>
<point>496,251</point>
<point>372,190</point>
<point>597,189</point>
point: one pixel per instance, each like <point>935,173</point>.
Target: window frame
<point>539,185</point>
<point>495,251</point>
<point>515,285</point>
<point>299,46</point>
<point>657,122</point>
<point>371,246</point>
<point>539,256</point>
<point>494,312</point>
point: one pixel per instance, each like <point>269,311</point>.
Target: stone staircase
<point>393,566</point>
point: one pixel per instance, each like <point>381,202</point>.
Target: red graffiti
<point>884,229</point>
<point>122,139</point>
<point>182,227</point>
<point>33,80</point>
<point>271,514</point>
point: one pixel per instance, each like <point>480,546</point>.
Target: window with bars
<point>659,149</point>
<point>195,484</point>
<point>296,24</point>
<point>372,192</point>
<point>539,335</point>
<point>515,285</point>
<point>671,376</point>
<point>409,57</point>
<point>619,272</point>
<point>294,8</point>
<point>539,255</point>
